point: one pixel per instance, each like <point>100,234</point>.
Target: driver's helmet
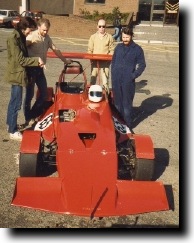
<point>95,93</point>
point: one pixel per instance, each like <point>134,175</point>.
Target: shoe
<point>26,125</point>
<point>21,127</point>
<point>132,132</point>
<point>31,122</point>
<point>16,136</point>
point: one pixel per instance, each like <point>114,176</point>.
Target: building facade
<point>74,7</point>
<point>106,6</point>
<point>8,4</point>
<point>144,10</point>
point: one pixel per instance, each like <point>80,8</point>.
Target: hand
<point>68,61</point>
<point>41,63</point>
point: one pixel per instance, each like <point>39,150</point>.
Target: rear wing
<point>78,55</point>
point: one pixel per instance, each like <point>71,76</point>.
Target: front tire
<point>144,170</point>
<point>28,165</point>
<point>132,168</point>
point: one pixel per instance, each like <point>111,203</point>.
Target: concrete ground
<point>75,27</point>
<point>156,107</point>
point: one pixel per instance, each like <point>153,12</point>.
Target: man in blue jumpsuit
<point>128,63</point>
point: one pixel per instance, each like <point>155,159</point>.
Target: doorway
<point>159,11</point>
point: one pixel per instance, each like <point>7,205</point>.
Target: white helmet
<point>95,93</point>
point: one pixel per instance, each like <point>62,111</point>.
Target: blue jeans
<point>14,106</point>
<point>117,34</point>
<point>123,95</point>
<point>35,76</point>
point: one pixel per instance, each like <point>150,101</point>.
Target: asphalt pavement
<point>156,107</point>
<point>156,33</point>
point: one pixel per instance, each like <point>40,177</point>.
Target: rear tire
<point>28,165</point>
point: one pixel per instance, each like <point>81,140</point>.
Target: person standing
<point>128,63</point>
<point>38,44</point>
<point>17,62</point>
<point>118,27</point>
<point>101,43</point>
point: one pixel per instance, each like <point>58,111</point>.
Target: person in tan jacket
<point>101,43</point>
<point>16,74</point>
<point>38,44</point>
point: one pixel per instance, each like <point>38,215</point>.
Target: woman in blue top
<point>128,63</point>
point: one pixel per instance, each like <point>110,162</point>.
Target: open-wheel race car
<point>101,169</point>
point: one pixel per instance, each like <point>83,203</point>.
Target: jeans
<point>123,95</point>
<point>14,106</point>
<point>117,34</point>
<point>35,76</point>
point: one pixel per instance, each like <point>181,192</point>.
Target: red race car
<point>80,157</point>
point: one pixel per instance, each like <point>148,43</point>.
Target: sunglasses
<point>101,26</point>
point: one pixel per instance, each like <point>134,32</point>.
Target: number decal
<point>45,123</point>
<point>120,127</point>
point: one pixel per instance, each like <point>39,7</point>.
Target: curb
<point>157,42</point>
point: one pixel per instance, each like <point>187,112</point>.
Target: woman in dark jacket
<point>128,63</point>
<point>17,61</point>
<point>118,27</point>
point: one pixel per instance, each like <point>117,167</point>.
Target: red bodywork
<point>87,182</point>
